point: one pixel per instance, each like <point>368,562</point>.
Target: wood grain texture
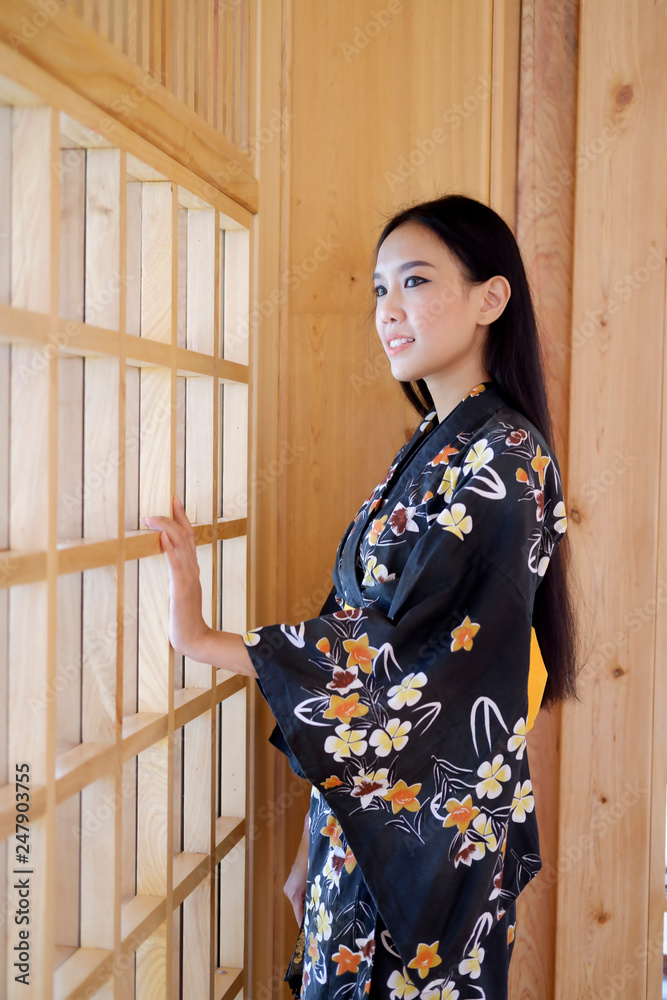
<point>616,418</point>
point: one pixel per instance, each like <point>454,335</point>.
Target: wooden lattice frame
<point>127,723</point>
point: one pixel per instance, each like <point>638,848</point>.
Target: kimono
<point>406,703</point>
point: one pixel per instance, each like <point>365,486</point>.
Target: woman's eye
<point>380,290</point>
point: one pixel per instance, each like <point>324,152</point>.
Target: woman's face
<point>421,295</point>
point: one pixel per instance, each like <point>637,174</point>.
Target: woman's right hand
<point>295,886</point>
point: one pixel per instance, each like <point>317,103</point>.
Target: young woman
<point>407,701</point>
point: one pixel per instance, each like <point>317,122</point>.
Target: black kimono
<point>405,703</point>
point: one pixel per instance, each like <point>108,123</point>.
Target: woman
<point>407,701</point>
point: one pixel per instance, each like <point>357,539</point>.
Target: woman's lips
<point>401,347</point>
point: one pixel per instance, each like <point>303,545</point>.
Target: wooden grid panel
<point>117,301</point>
<point>201,52</point>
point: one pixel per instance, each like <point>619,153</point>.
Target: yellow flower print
<point>539,463</point>
<point>472,965</point>
<point>463,634</point>
<point>407,692</point>
<point>426,958</point>
<point>492,774</point>
<point>393,736</point>
<point>376,573</point>
<point>518,740</point>
<point>447,992</point>
<point>251,638</point>
<point>323,923</point>
<point>376,529</point>
<point>559,512</point>
<point>346,742</point>
<point>361,653</point>
<point>523,802</point>
<point>511,930</point>
<point>401,985</point>
<point>344,708</point>
<point>454,519</point>
<point>477,457</point>
<point>449,481</point>
<point>483,826</point>
<point>461,814</point>
<point>403,796</point>
<point>316,892</point>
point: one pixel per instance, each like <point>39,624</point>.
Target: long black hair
<point>485,246</point>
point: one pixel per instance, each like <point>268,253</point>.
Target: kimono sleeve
<point>276,737</point>
<point>412,724</point>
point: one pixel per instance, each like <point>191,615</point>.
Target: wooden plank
<point>29,520</point>
<point>616,407</point>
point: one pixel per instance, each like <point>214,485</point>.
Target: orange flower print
<point>539,463</point>
<point>332,830</point>
<point>344,708</point>
<point>376,529</point>
<point>332,782</point>
<point>511,930</point>
<point>475,391</point>
<point>313,950</point>
<point>348,961</point>
<point>461,814</point>
<point>323,645</point>
<point>521,475</point>
<point>427,496</point>
<point>426,958</point>
<point>350,861</point>
<point>361,653</point>
<point>403,796</point>
<point>463,634</point>
<point>443,457</point>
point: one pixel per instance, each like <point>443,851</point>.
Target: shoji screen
<point>123,381</point>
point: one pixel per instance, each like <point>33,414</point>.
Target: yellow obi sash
<point>537,676</point>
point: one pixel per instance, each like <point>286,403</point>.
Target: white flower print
<point>518,740</point>
<point>393,736</point>
<point>477,457</point>
<point>492,774</point>
<point>559,512</point>
<point>323,923</point>
<point>407,692</point>
<point>472,965</point>
<point>368,784</point>
<point>455,519</point>
<point>346,742</point>
<point>523,802</point>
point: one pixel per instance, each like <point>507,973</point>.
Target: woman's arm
<point>295,886</point>
<point>188,632</point>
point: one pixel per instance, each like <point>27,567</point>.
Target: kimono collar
<point>430,437</point>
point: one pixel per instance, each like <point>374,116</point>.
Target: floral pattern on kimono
<point>405,702</point>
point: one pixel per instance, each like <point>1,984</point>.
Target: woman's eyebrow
<point>404,267</point>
